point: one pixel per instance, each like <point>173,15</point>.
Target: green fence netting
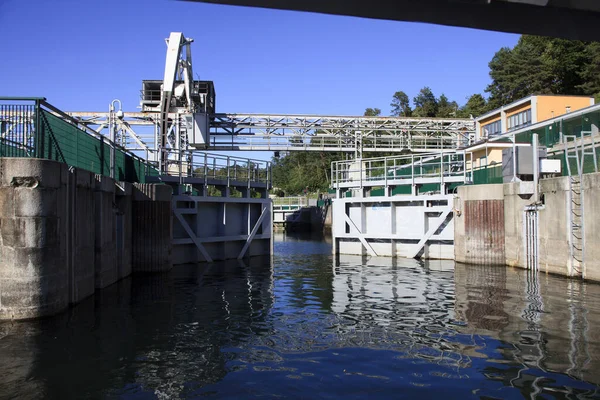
<point>29,130</point>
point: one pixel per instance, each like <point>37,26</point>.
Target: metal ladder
<point>576,210</point>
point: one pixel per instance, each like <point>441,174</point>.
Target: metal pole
<point>514,158</point>
<point>536,167</point>
<point>113,130</point>
<point>412,169</point>
<point>228,170</point>
<point>385,175</point>
<point>39,132</point>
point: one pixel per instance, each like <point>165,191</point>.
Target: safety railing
<point>323,142</point>
<point>289,203</point>
<point>31,127</point>
<point>230,170</point>
<point>402,170</point>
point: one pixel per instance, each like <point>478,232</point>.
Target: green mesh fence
<point>64,142</point>
<point>28,130</point>
<point>402,189</point>
<point>550,136</point>
<point>486,175</point>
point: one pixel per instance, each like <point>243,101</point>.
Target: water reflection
<point>156,336</point>
<point>541,321</point>
<point>306,324</point>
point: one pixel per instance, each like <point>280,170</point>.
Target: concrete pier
<point>81,251</point>
<point>152,244</point>
<point>105,249</point>
<point>34,274</point>
<point>65,232</point>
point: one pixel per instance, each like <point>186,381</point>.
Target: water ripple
<point>311,325</point>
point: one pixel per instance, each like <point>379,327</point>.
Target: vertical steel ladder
<point>577,152</point>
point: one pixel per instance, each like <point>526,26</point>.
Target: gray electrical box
<point>524,156</point>
<point>197,126</point>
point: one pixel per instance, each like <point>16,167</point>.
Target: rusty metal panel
<point>484,227</point>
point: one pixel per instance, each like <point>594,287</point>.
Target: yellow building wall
<point>553,106</point>
<point>518,109</point>
<point>494,156</point>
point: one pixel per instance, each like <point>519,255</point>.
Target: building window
<point>492,129</point>
<point>519,120</point>
<point>483,162</point>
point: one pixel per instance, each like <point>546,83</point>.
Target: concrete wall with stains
<point>65,233</point>
<point>479,225</point>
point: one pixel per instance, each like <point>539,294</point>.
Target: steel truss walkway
<point>261,132</point>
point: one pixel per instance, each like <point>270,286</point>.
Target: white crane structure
<point>178,119</point>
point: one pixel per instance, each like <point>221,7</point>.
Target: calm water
<point>305,325</point>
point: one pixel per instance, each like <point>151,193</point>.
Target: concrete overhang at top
<point>569,19</point>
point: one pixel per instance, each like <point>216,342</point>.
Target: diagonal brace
<point>192,236</point>
<point>432,229</point>
<point>253,233</point>
<point>360,236</point>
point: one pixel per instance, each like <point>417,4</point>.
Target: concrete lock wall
<point>478,246</point>
<point>591,204</point>
<point>479,225</point>
<point>554,225</point>
<point>105,246</point>
<point>66,232</point>
<point>33,263</point>
<point>81,246</point>
<point>124,228</point>
<point>152,228</point>
<point>514,203</point>
<point>554,249</point>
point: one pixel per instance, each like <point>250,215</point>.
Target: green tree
<point>474,107</point>
<point>564,59</point>
<point>426,105</point>
<point>590,71</point>
<point>372,112</point>
<point>401,105</point>
<point>541,65</point>
<point>446,108</point>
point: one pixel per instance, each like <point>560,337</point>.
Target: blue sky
<point>82,54</point>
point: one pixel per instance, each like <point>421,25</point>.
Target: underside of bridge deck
<point>569,19</point>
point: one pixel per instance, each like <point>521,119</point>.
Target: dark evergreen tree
<point>426,105</point>
<point>401,105</point>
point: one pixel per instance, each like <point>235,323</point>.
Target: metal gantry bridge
<point>262,132</point>
<point>178,120</point>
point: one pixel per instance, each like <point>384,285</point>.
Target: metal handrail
<point>221,167</point>
<point>290,201</point>
<point>192,164</point>
<point>385,170</point>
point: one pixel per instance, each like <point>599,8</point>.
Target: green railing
<point>550,135</point>
<point>30,127</point>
